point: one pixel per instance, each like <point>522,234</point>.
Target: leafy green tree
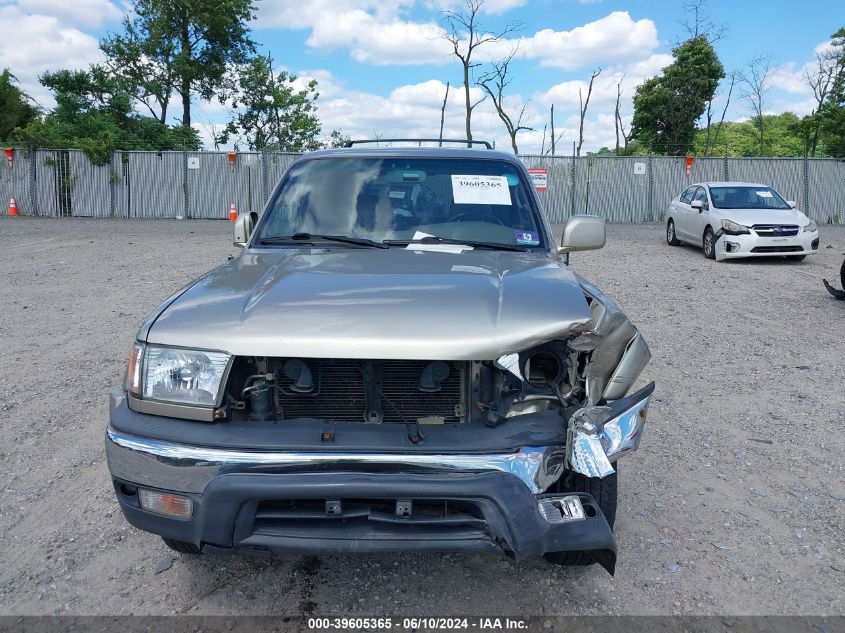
<point>16,108</point>
<point>783,136</point>
<point>94,113</point>
<point>831,115</point>
<point>273,114</point>
<point>181,46</point>
<point>666,107</point>
<point>336,139</point>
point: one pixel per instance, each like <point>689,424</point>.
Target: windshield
<point>405,199</point>
<point>747,198</point>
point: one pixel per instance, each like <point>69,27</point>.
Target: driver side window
<point>686,196</point>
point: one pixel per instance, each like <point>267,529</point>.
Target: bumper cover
<point>227,516</point>
<point>734,246</point>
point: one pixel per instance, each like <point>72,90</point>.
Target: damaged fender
<point>609,425</point>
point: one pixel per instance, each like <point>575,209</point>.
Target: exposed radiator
<point>341,391</point>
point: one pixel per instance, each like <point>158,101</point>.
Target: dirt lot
<point>734,504</point>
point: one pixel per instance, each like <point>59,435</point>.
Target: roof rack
<point>486,144</point>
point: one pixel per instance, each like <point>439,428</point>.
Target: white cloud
<point>32,44</point>
<point>86,13</point>
<point>613,38</point>
<point>378,33</point>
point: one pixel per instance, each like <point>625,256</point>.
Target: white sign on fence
<point>540,176</point>
<point>639,169</point>
<point>193,162</point>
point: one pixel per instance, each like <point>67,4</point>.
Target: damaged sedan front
<point>400,359</point>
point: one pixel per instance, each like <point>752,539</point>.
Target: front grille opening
<point>359,516</point>
<point>775,230</point>
<point>777,249</point>
<point>341,391</point>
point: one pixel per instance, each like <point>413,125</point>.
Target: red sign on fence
<point>9,154</point>
<point>690,161</point>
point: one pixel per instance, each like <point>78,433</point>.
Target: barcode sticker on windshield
<point>764,194</point>
<point>480,189</point>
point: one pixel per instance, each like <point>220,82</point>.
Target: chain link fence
<point>182,185</point>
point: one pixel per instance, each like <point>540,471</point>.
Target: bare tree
<point>617,119</point>
<point>465,35</point>
<point>715,139</point>
<point>755,81</point>
<point>494,84</point>
<point>553,128</point>
<point>820,80</point>
<point>699,24</point>
<point>543,144</point>
<point>585,103</point>
<point>443,114</point>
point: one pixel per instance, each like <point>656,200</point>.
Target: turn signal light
<point>166,504</point>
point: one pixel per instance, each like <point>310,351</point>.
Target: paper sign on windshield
<point>764,194</point>
<point>480,189</point>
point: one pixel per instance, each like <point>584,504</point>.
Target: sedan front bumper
<point>753,245</point>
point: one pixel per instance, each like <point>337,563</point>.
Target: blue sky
<point>382,68</point>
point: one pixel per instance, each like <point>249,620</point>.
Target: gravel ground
<point>733,505</point>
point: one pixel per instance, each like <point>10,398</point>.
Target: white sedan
<point>740,219</point>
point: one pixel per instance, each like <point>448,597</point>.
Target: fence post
<point>727,171</point>
<point>805,194</point>
<point>33,192</point>
<point>572,189</point>
<point>187,215</point>
<point>113,184</point>
<point>650,187</point>
<point>265,176</point>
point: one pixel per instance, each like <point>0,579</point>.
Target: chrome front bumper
<point>183,468</point>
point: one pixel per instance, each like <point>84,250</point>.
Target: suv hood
<point>375,304</point>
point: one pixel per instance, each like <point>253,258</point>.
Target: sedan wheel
<point>671,239</point>
<point>709,244</point>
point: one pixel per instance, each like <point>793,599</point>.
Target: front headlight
<point>812,227</point>
<point>182,376</point>
<point>732,228</point>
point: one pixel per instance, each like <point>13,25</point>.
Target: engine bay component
<point>298,372</point>
<point>261,401</point>
<point>434,373</point>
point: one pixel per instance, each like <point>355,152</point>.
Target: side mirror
<point>583,233</point>
<point>792,204</point>
<point>697,204</point>
<point>243,229</point>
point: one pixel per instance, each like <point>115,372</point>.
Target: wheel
<point>709,244</point>
<point>181,546</point>
<point>604,491</point>
<point>671,239</point>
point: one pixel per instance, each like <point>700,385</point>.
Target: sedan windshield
<point>747,198</point>
<point>403,200</point>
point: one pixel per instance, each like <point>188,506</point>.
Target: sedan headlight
<point>732,228</point>
<point>812,227</point>
<point>181,376</point>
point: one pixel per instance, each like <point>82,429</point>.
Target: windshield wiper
<point>311,237</point>
<point>433,239</point>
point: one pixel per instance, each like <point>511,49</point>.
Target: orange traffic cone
<point>13,208</point>
<point>233,211</point>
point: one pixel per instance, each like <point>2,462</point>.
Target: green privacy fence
<point>184,185</point>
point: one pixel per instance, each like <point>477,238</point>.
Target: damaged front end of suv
<point>404,393</point>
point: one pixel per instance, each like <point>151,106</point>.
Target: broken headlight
<point>181,376</point>
<point>734,228</point>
